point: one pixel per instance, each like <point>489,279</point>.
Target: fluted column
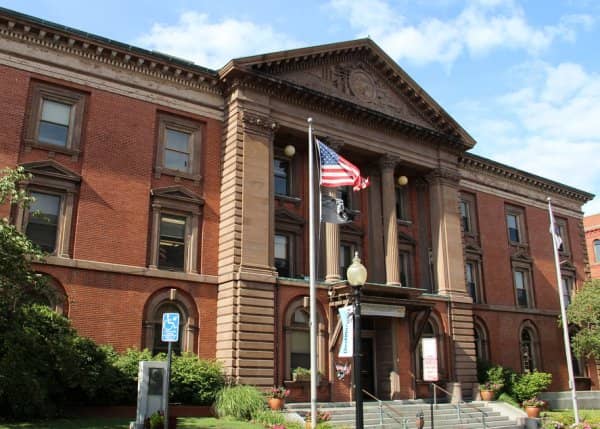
<point>390,224</point>
<point>332,247</point>
<point>332,232</point>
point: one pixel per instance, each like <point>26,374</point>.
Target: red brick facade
<point>457,282</point>
<point>592,240</point>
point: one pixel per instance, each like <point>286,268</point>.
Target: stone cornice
<point>478,163</point>
<point>330,105</point>
<point>258,124</point>
<point>31,30</point>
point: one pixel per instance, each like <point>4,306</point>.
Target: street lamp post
<point>357,276</point>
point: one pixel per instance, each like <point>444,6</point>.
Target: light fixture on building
<point>402,180</point>
<point>357,276</point>
<point>289,150</point>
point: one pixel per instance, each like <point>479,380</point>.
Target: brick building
<point>166,187</point>
<point>592,239</point>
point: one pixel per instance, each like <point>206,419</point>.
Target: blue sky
<point>522,77</point>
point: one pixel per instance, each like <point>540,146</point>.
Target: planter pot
<point>276,403</point>
<point>533,412</point>
<point>487,395</point>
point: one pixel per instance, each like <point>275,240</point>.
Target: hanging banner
<point>346,347</point>
<point>430,361</point>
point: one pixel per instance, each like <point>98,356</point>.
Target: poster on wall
<point>430,361</point>
<point>346,347</point>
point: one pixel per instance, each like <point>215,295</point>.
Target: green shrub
<point>505,397</point>
<point>530,385</point>
<point>195,381</point>
<point>240,402</point>
<point>269,418</point>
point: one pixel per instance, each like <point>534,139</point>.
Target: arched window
<point>430,330</point>
<point>170,301</point>
<point>297,338</point>
<point>529,346</point>
<point>597,250</point>
<point>55,296</point>
<point>481,342</point>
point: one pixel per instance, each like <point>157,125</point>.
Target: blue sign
<point>170,327</point>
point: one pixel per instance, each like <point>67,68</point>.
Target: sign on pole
<point>346,347</point>
<point>430,361</point>
<point>170,327</point>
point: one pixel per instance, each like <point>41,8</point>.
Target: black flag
<point>333,210</point>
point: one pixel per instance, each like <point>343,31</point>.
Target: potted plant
<point>156,420</point>
<point>277,399</point>
<point>488,390</point>
<point>533,406</point>
<point>301,374</point>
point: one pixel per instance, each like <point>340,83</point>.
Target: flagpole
<point>313,288</point>
<point>563,314</point>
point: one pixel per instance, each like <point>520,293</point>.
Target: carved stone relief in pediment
<point>357,82</point>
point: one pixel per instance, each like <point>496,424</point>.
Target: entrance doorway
<point>367,366</point>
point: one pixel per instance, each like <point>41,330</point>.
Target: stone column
<point>332,247</point>
<point>332,232</point>
<point>154,236</point>
<point>390,224</point>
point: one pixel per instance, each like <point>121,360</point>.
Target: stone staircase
<point>403,416</point>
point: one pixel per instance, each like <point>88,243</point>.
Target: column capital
<point>259,124</point>
<point>449,176</point>
<point>387,162</point>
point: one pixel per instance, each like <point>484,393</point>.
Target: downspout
<point>276,380</point>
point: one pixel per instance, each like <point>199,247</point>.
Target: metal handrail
<point>381,404</point>
<point>483,413</point>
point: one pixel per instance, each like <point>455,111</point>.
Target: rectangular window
<point>55,119</point>
<point>281,169</point>
<point>512,221</point>
<point>402,209</point>
<point>567,289</point>
<point>346,255</point>
<point>42,225</point>
<point>405,271</point>
<point>344,193</point>
<point>521,279</point>
<point>282,255</point>
<point>171,248</point>
<point>465,216</point>
<point>179,147</point>
<point>472,277</point>
<point>177,150</point>
<point>54,123</point>
<point>561,229</point>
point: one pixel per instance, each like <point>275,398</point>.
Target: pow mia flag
<point>333,210</point>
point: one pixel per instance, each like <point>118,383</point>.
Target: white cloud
<point>212,44</point>
<point>483,25</point>
<point>555,131</point>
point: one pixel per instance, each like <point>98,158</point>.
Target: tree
<point>19,283</point>
<point>584,312</point>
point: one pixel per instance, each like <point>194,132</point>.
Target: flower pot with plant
<point>301,374</point>
<point>277,397</point>
<point>533,406</point>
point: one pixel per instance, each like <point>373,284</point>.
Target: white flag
<point>346,347</point>
<point>554,231</point>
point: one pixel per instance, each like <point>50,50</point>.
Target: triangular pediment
<point>522,255</point>
<point>52,169</point>
<point>358,72</point>
<point>178,193</point>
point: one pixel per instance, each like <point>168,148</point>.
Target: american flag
<point>337,171</point>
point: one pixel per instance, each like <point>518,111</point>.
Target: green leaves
<point>584,312</point>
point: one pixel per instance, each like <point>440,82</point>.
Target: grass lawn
<point>566,417</point>
<point>106,423</point>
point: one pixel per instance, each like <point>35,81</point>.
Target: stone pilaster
<point>446,236</point>
<point>390,224</point>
